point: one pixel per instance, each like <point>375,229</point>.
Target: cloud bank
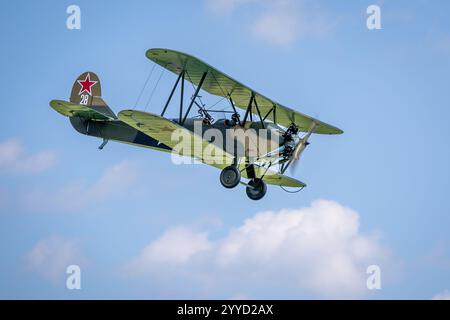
<point>76,195</point>
<point>315,250</point>
<point>51,256</point>
<point>14,159</point>
<point>277,22</point>
<point>444,295</point>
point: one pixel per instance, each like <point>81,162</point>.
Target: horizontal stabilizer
<point>95,112</point>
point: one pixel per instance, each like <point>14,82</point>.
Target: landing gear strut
<point>230,177</point>
<point>256,189</point>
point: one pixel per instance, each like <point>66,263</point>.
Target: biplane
<point>267,137</point>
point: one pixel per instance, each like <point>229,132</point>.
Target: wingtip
<point>55,103</point>
<point>155,51</point>
<point>149,53</point>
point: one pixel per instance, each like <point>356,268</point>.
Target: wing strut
<point>269,112</point>
<point>259,114</point>
<point>248,111</point>
<point>182,95</point>
<point>274,114</point>
<point>234,109</point>
<point>171,94</point>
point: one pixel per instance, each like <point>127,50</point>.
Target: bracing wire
<point>221,89</point>
<point>215,104</point>
<point>145,85</point>
<point>193,87</point>
<point>154,89</point>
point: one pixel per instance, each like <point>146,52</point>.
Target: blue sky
<point>141,227</point>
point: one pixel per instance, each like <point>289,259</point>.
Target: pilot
<point>206,121</point>
<point>234,120</point>
<point>235,117</point>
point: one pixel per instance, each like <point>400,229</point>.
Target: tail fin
<point>85,88</point>
<point>87,91</point>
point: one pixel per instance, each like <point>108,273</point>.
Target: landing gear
<point>256,189</point>
<point>230,177</point>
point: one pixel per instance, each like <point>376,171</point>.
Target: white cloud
<point>278,26</point>
<point>13,158</point>
<point>444,295</point>
<point>51,256</point>
<point>223,6</point>
<point>279,22</point>
<point>317,250</point>
<point>115,178</point>
<point>76,195</point>
<point>175,248</point>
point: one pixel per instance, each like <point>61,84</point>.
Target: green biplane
<point>258,146</point>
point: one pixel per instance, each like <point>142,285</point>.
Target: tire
<point>256,189</point>
<point>230,177</point>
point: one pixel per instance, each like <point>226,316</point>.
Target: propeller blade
<point>298,151</point>
<point>294,166</point>
<point>299,148</point>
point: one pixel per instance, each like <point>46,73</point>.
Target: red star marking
<point>86,85</point>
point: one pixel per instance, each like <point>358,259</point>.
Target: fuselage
<point>253,139</point>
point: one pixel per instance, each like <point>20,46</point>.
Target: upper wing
<point>220,84</point>
<point>169,133</point>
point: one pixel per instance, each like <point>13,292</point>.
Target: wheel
<point>230,177</point>
<point>256,189</point>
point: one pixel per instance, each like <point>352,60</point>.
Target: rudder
<point>85,88</point>
<point>86,91</point>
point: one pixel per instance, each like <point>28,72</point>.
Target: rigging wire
<point>153,91</point>
<point>202,110</point>
<point>193,87</point>
<point>145,85</point>
<point>223,92</point>
<point>215,104</point>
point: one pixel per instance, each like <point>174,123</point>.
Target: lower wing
<point>169,133</point>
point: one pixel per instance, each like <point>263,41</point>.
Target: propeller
<point>297,153</point>
<point>298,150</point>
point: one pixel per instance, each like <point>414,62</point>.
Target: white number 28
<point>84,99</point>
